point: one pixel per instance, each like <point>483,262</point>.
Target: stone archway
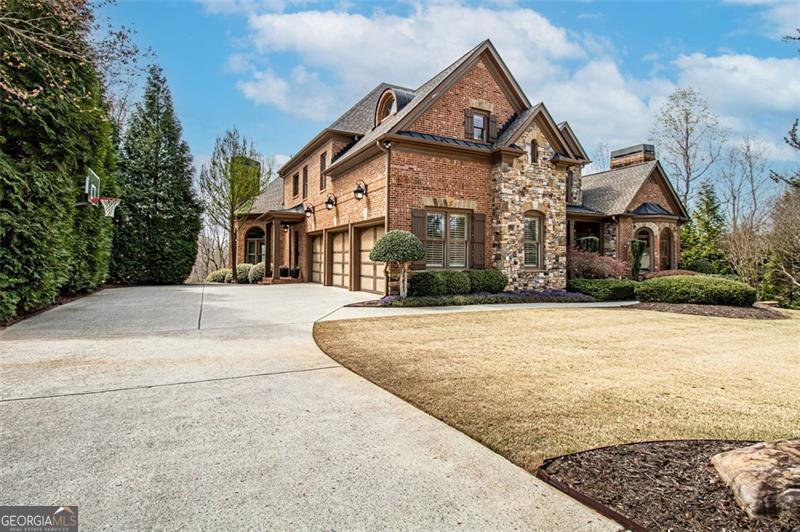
<point>646,235</point>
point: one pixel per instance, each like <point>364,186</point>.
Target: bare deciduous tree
<point>746,248</point>
<point>744,180</point>
<point>230,182</point>
<point>688,137</point>
<point>784,238</point>
<point>601,158</point>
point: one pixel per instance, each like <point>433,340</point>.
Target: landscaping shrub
<point>522,296</point>
<point>243,273</point>
<point>668,273</point>
<point>700,266</point>
<point>427,284</point>
<point>219,276</point>
<point>228,275</point>
<point>456,283</point>
<point>587,265</point>
<point>589,243</point>
<point>698,289</point>
<point>491,281</point>
<point>605,289</point>
<point>257,273</point>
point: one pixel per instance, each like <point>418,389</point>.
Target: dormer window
<point>480,125</point>
<point>386,106</point>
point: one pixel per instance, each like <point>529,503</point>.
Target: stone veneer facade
<point>520,187</point>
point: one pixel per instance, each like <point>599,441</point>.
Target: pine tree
<point>701,238</point>
<point>155,240</point>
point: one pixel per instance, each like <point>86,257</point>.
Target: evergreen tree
<point>53,128</point>
<point>701,238</point>
<point>156,235</point>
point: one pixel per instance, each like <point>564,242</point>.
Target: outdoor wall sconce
<point>285,228</point>
<point>330,203</point>
<point>360,191</point>
<point>309,211</point>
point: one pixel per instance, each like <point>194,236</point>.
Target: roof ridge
<point>618,169</point>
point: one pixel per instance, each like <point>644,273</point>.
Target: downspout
<point>386,147</point>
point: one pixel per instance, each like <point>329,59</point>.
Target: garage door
<point>372,275</point>
<point>340,267</point>
<point>316,259</point>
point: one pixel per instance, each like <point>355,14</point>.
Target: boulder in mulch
<point>764,478</point>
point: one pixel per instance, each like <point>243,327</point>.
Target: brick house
<point>483,177</point>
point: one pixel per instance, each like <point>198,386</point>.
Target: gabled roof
<point>575,144</point>
<point>269,200</point>
<point>511,132</point>
<point>429,92</point>
<point>612,191</point>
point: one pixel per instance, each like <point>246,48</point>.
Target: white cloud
<point>356,52</point>
<point>742,84</point>
<point>302,93</point>
<point>779,17</point>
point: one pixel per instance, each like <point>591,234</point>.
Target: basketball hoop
<point>109,204</point>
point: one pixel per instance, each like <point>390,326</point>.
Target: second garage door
<point>372,276</point>
<point>340,255</point>
<point>316,259</point>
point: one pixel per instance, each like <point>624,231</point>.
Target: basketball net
<point>109,204</point>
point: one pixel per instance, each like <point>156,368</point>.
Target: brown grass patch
<point>537,383</point>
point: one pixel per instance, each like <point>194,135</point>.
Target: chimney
<point>641,153</point>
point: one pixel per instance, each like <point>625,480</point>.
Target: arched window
<point>646,236</point>
<point>386,106</point>
<point>665,254</point>
<point>255,245</point>
<point>533,245</point>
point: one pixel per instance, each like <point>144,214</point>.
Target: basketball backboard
<point>91,191</point>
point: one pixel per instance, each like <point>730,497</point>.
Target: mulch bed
<point>666,485</point>
<point>719,311</point>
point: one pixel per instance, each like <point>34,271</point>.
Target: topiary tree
<point>637,250</point>
<point>398,248</point>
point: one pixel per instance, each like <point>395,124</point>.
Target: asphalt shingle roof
<point>613,190</point>
<point>271,199</point>
<point>360,118</point>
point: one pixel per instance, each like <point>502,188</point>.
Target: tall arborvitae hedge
<point>155,241</point>
<point>48,245</point>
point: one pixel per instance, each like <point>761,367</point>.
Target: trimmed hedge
<point>524,296</point>
<point>243,273</point>
<point>257,273</point>
<point>219,276</point>
<point>448,283</point>
<point>698,289</point>
<point>605,289</point>
<point>491,281</point>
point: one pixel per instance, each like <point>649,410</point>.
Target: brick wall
<point>419,179</point>
<point>653,190</point>
<point>476,89</point>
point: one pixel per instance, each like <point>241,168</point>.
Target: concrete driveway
<point>185,407</point>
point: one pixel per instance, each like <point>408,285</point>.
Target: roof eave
<point>310,146</point>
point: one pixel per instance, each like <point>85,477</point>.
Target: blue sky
<point>282,70</point>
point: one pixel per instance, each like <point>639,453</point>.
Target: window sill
<point>528,269</point>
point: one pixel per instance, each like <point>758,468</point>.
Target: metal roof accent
<point>651,209</point>
<point>447,140</point>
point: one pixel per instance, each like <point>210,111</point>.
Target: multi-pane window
<point>446,240</point>
<point>323,164</point>
<point>254,252</point>
<point>295,184</point>
<point>305,182</point>
<point>480,125</point>
<point>533,241</point>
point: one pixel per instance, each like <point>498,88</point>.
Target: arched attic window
<point>387,105</point>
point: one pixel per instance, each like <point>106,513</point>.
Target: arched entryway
<point>646,236</point>
<point>255,245</point>
<point>665,250</point>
